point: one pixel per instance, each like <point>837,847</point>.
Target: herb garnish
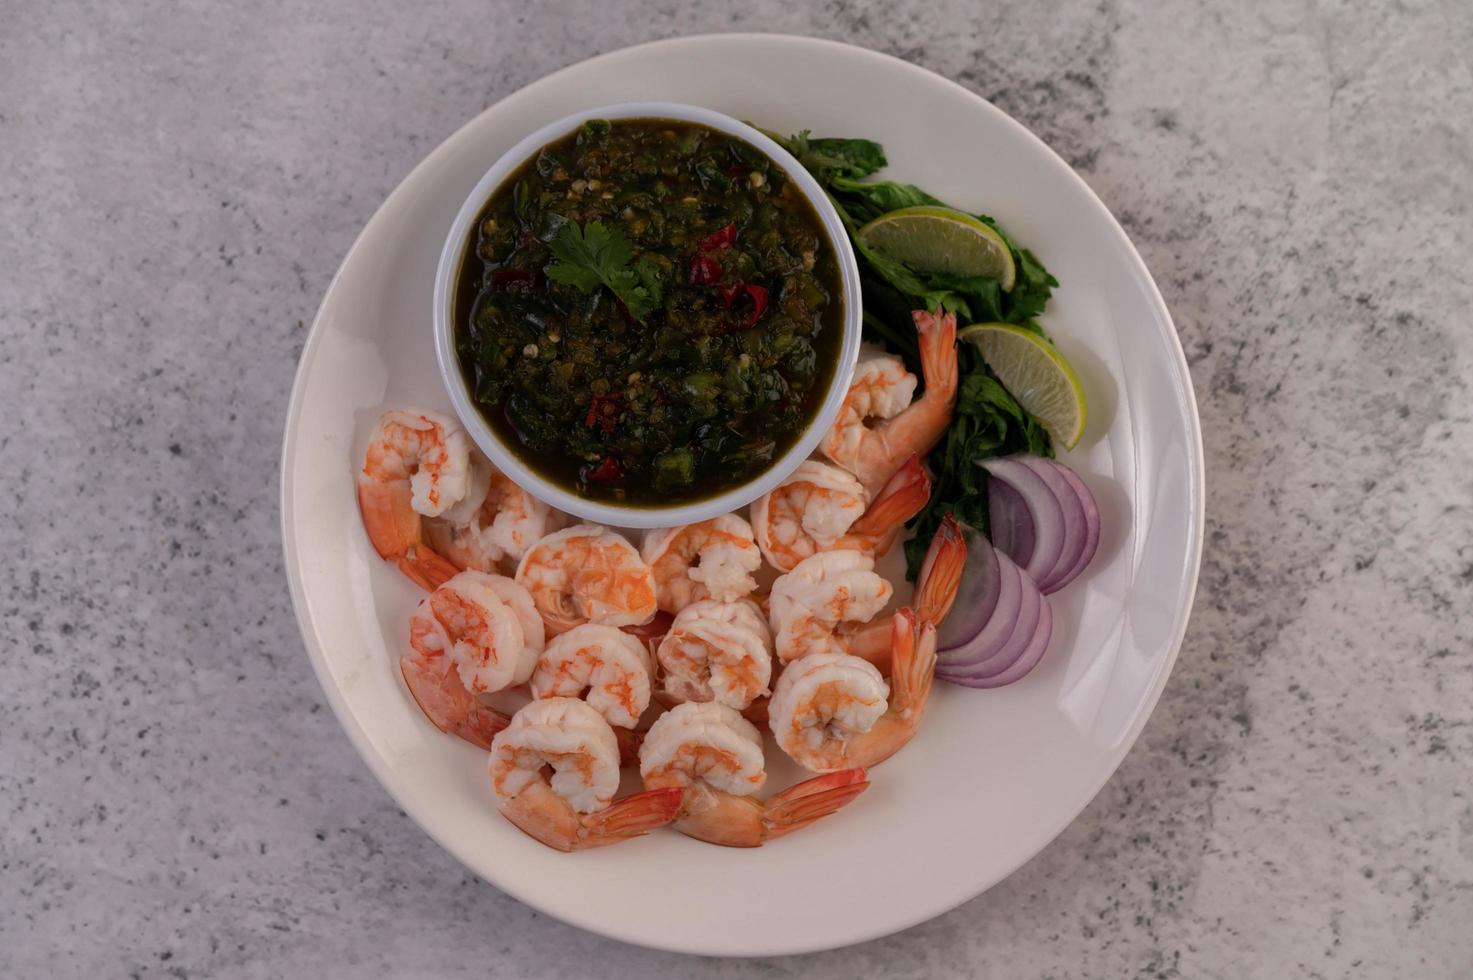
<point>595,255</point>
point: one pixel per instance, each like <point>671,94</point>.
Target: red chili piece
<point>597,415</point>
<point>507,277</point>
<point>704,271</point>
<point>759,302</point>
<point>718,239</point>
<point>758,295</point>
<point>607,471</point>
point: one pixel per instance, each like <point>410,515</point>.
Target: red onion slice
<point>1020,667</point>
<point>982,663</point>
<point>1091,525</point>
<point>1048,516</point>
<point>1009,521</point>
<point>998,626</point>
<point>1073,512</point>
<point>976,596</point>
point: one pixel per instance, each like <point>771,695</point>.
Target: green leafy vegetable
<point>595,255</point>
<point>833,158</point>
<point>869,200</point>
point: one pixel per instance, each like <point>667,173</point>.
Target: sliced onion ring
<point>1043,505</point>
<point>1010,522</point>
<point>1020,667</point>
<point>1046,530</point>
<point>1073,512</point>
<point>1091,526</point>
<point>980,662</point>
<point>999,625</point>
<point>976,596</point>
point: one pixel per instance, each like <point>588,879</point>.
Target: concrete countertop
<point>180,183</point>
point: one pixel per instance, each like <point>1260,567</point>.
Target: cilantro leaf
<point>594,255</point>
<point>586,255</point>
<point>582,278</point>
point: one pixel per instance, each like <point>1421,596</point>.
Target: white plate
<point>994,775</point>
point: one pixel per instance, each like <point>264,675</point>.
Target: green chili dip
<point>649,313</point>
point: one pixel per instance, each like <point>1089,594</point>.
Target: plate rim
<point>1196,491</point>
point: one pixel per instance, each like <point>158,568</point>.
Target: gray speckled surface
<point>181,181</point>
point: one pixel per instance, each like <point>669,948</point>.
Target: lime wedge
<point>1037,375</point>
<point>929,238</point>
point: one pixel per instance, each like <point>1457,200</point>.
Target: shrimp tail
<point>388,516</point>
<point>872,643</point>
<point>395,528</point>
<point>897,502</point>
<point>426,567</point>
<point>921,426</point>
<point>937,341</point>
<point>653,632</point>
<point>632,816</point>
<point>918,428</point>
<point>629,742</point>
<point>798,806</point>
<point>449,706</point>
<point>935,591</point>
<point>941,572</point>
<point>913,664</point>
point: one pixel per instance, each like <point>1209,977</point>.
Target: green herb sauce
<point>649,312</point>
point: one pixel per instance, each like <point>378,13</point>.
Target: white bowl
<point>619,515</point>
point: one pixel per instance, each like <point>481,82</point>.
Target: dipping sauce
<point>650,312</point>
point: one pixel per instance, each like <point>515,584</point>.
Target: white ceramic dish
<point>448,272</point>
<point>994,775</point>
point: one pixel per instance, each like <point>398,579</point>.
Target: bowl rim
<point>632,516</point>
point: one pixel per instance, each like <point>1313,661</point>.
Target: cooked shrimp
<point>831,711</point>
<point>824,591</point>
<point>806,513</point>
<point>486,637</point>
<point>715,755</point>
<point>935,591</point>
<point>612,666</point>
<point>572,807</point>
<point>474,635</point>
<point>881,389</point>
<point>717,651</point>
<point>881,393</point>
<point>496,533</point>
<point>712,559</point>
<point>588,574</point>
<point>418,465</point>
<point>822,508</point>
